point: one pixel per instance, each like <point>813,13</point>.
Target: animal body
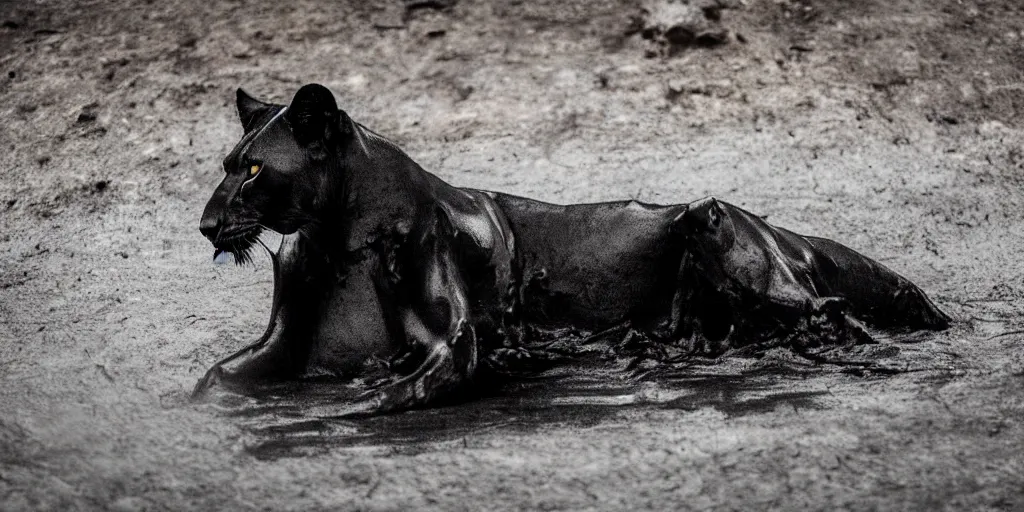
<point>383,260</point>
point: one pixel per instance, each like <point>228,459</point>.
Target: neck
<point>372,186</point>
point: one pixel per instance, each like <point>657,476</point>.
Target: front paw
<point>406,361</point>
<point>213,377</point>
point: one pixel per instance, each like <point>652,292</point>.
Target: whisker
<point>241,240</point>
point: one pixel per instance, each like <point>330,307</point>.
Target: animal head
<point>278,170</point>
<point>707,226</point>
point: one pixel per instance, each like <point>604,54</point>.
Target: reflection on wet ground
<point>738,395</point>
<point>280,424</point>
<point>300,418</point>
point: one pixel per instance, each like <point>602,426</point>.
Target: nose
<point>209,226</point>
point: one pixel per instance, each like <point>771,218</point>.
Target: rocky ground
<point>894,127</point>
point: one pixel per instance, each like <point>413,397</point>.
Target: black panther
<point>383,260</point>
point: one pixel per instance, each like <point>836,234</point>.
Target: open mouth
<point>238,244</point>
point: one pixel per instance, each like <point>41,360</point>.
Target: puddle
<point>276,417</point>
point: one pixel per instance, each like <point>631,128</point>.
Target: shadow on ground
<point>294,419</point>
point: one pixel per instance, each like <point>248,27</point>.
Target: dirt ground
<point>894,127</point>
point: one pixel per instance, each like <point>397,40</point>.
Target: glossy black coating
<point>384,269</point>
<point>740,267</point>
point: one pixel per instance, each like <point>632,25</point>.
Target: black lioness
<point>382,259</point>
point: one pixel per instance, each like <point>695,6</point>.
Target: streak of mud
<point>751,392</point>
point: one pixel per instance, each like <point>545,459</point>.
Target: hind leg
<point>827,322</point>
<point>910,303</point>
<point>879,295</point>
<point>813,325</point>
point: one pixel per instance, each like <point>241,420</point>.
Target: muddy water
<point>299,419</point>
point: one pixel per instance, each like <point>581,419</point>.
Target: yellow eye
<point>254,169</point>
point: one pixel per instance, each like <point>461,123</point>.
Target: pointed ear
<point>248,108</point>
<point>313,114</point>
<point>715,213</point>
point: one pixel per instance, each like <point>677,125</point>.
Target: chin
<point>240,246</point>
